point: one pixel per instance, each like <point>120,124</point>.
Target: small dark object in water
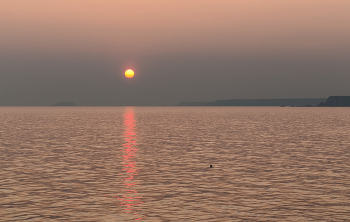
<point>211,166</point>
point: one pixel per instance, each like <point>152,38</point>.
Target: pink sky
<point>199,50</point>
<point>137,28</point>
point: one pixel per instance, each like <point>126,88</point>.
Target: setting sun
<point>129,73</point>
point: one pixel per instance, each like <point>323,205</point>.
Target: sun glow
<point>129,73</point>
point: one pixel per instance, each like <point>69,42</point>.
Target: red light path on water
<point>130,200</point>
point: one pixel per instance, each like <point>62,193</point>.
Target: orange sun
<point>129,73</point>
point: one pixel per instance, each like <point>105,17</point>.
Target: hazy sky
<point>181,50</point>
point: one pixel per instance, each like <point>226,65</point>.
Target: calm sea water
<point>152,164</point>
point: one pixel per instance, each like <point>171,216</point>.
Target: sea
<point>153,164</point>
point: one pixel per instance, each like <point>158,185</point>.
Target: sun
<point>129,73</point>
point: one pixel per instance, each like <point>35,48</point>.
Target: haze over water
<point>152,164</point>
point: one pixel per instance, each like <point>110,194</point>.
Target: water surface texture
<point>152,164</point>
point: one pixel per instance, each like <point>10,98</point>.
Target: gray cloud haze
<point>180,51</point>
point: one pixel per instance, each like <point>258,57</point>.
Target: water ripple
<point>152,163</point>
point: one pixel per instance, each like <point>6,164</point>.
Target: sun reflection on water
<point>131,199</point>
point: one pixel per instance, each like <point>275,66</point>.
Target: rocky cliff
<point>336,101</point>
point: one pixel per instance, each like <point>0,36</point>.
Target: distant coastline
<point>336,101</point>
<point>259,102</point>
<point>332,101</point>
<point>64,104</point>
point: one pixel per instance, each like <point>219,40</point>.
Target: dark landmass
<point>64,104</point>
<point>336,101</point>
<point>194,103</point>
<point>259,102</point>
